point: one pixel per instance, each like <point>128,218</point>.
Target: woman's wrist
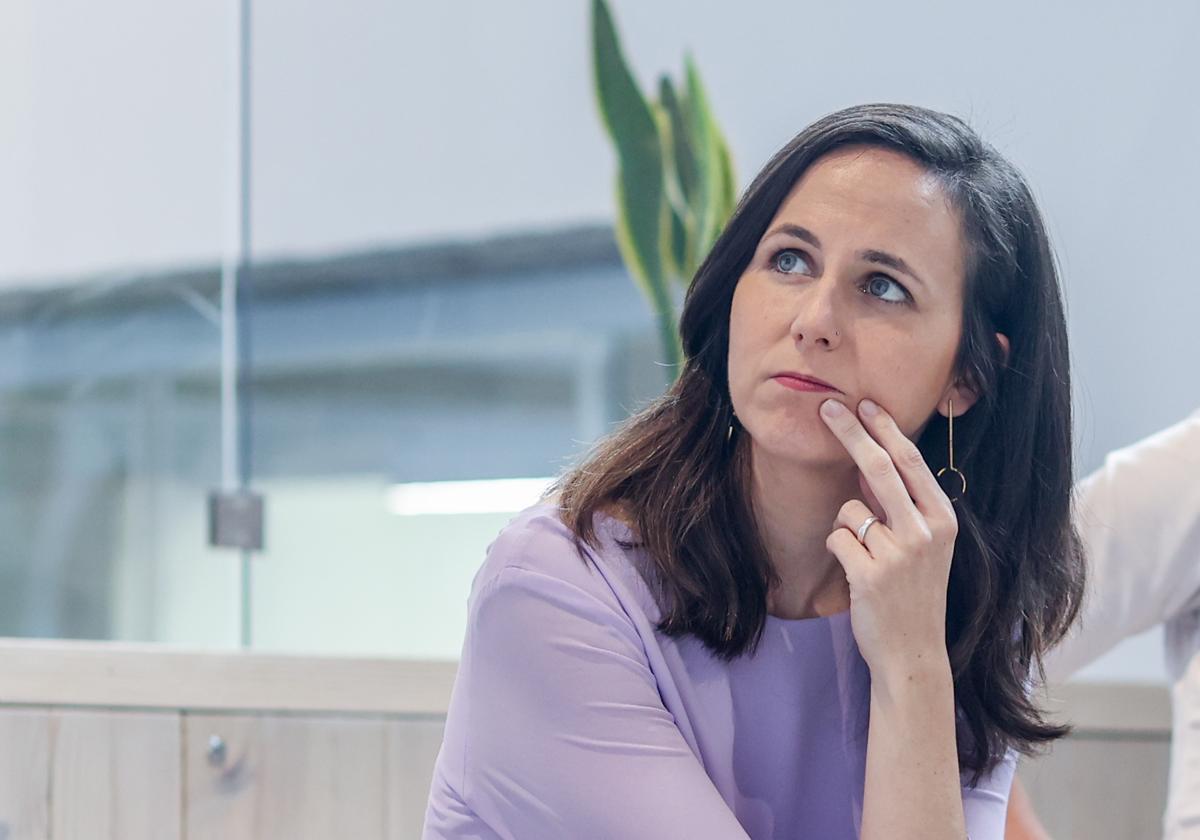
<point>913,788</point>
<point>913,675</point>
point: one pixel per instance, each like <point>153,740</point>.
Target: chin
<point>800,440</point>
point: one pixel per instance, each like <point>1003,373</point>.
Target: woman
<point>782,626</point>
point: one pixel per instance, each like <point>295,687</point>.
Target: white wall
<point>384,122</point>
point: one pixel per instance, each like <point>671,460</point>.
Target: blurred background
<point>392,225</point>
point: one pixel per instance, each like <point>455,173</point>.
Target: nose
<point>816,320</point>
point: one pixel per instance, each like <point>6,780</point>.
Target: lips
<point>804,377</point>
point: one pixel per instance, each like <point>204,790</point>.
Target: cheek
<point>745,333</point>
<point>891,359</point>
<point>759,310</point>
<point>907,377</point>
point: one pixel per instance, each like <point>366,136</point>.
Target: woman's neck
<point>796,506</point>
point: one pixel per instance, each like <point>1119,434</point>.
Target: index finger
<point>922,486</point>
<point>874,462</point>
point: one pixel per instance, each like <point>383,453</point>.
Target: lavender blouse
<point>573,717</point>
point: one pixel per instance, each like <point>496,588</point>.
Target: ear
<point>961,393</point>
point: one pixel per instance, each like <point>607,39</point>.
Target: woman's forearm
<point>912,788</point>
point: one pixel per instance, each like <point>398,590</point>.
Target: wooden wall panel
<point>115,776</point>
<point>24,774</point>
<point>1093,787</point>
<point>413,746</point>
<point>285,778</point>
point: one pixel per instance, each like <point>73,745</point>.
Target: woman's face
<point>858,282</point>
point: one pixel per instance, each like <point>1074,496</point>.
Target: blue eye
<point>787,260</point>
<point>886,289</point>
<point>879,286</point>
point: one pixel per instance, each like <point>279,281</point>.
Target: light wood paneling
<point>285,778</point>
<point>129,675</point>
<point>330,748</point>
<point>412,750</point>
<point>1128,708</point>
<point>24,774</point>
<point>1092,787</point>
<point>115,776</point>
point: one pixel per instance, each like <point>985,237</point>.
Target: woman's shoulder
<point>537,544</point>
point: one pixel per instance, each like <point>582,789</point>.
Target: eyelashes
<point>865,286</point>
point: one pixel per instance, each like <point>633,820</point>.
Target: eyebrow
<point>873,255</point>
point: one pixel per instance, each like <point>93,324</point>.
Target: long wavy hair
<point>1017,577</point>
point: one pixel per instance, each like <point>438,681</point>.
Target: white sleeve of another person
<point>1139,518</point>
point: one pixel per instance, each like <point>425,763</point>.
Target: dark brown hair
<point>1017,576</point>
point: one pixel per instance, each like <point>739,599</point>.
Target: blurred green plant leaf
<point>676,186</point>
<point>709,148</point>
<point>641,181</point>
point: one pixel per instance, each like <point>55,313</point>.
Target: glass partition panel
<point>112,221</point>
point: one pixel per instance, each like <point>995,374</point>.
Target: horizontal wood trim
<point>118,674</point>
<point>1109,707</point>
<point>121,674</point>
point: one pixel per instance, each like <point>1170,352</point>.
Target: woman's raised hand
<point>899,574</point>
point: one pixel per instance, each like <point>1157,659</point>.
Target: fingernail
<point>868,408</point>
<point>833,408</point>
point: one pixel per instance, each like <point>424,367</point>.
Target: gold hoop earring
<point>951,469</point>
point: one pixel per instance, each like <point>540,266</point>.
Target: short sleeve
<point>1139,518</point>
<point>985,806</point>
<point>565,732</point>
